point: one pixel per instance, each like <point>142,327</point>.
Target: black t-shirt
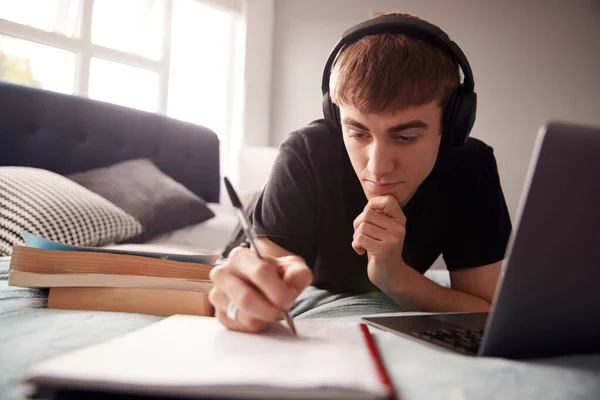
<point>313,196</point>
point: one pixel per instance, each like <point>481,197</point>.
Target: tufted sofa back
<point>66,134</point>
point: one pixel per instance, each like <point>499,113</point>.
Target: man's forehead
<point>426,114</point>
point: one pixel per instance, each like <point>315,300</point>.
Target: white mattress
<point>208,237</point>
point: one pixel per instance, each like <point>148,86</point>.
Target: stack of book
<point>84,278</point>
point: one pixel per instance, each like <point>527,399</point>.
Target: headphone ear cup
<point>464,117</point>
<point>326,108</point>
<point>467,113</point>
<point>338,118</point>
<point>459,117</point>
<point>448,127</point>
<point>331,112</point>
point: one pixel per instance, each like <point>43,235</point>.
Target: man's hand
<point>380,230</point>
<point>261,289</point>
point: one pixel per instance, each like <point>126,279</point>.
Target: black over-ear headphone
<point>459,113</point>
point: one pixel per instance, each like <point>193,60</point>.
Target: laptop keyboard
<point>465,341</point>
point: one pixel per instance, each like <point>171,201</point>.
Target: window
<point>34,64</point>
<point>121,84</point>
<point>175,57</point>
<point>133,26</point>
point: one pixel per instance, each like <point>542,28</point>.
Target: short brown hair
<point>392,72</point>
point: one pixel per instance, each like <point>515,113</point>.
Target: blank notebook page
<point>197,356</point>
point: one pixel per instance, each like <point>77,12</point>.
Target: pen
<point>379,365</point>
<point>251,236</point>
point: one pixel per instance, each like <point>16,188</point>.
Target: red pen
<point>379,365</point>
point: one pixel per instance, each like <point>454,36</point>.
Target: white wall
<point>258,71</point>
<point>252,99</point>
<point>533,60</point>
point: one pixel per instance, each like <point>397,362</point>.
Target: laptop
<point>547,302</point>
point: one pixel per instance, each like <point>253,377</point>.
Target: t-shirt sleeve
<point>286,209</point>
<point>479,225</point>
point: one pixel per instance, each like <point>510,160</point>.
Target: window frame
<point>85,49</point>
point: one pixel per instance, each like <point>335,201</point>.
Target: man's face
<point>393,152</point>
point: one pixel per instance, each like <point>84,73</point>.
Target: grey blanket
<point>12,297</point>
<point>29,334</point>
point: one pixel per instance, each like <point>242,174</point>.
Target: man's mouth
<point>381,187</point>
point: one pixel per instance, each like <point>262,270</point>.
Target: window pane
<point>59,16</point>
<point>121,84</point>
<point>200,59</point>
<point>132,26</point>
<point>34,64</point>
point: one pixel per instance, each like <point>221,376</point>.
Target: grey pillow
<point>141,189</point>
<point>52,206</point>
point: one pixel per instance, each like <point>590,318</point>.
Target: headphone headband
<point>399,24</point>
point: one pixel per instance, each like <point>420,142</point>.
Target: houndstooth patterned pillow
<point>56,208</point>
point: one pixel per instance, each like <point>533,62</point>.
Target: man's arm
<point>472,290</point>
<point>478,281</point>
<point>269,249</point>
<point>380,230</point>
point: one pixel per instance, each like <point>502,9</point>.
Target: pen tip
<point>290,322</point>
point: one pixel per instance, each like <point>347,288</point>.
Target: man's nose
<point>381,159</point>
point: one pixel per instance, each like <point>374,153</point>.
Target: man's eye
<point>357,135</point>
<point>406,139</point>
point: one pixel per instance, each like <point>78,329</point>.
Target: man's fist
<point>380,230</point>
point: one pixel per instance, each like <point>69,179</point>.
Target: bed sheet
<point>208,237</point>
<point>29,332</point>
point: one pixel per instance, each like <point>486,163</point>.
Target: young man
<point>367,199</point>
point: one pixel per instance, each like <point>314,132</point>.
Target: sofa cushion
<point>156,200</point>
<point>56,208</point>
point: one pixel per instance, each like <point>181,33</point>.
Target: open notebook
<point>195,356</point>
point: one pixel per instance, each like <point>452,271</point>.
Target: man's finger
<point>218,299</point>
<point>297,275</point>
<point>377,218</point>
<point>370,230</point>
<point>242,323</point>
<point>357,221</point>
<point>365,243</point>
<point>264,275</point>
<point>388,205</point>
<point>358,249</point>
<point>248,299</point>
